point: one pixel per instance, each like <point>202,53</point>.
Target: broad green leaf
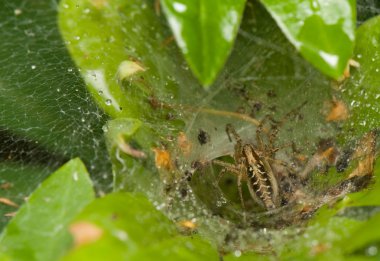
<point>121,51</point>
<point>362,93</point>
<point>4,257</point>
<point>322,30</point>
<point>39,229</point>
<point>16,183</point>
<point>133,229</point>
<point>365,235</point>
<point>205,31</point>
<point>249,256</point>
<point>179,248</point>
<point>361,258</point>
<point>362,90</point>
<point>100,74</point>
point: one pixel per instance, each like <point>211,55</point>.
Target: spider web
<point>47,117</point>
<point>276,81</point>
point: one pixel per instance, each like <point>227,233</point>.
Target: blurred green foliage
<point>124,53</point>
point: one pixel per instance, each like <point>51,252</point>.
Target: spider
<point>253,164</point>
<point>254,168</point>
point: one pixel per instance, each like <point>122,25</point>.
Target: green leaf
<point>320,238</point>
<point>179,248</point>
<point>362,90</point>
<point>17,182</point>
<point>322,30</point>
<point>122,53</point>
<point>205,31</point>
<point>39,229</point>
<point>4,257</point>
<point>75,21</point>
<point>238,256</point>
<point>133,229</point>
<point>365,235</point>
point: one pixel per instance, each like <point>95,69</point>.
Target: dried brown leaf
<point>163,159</point>
<point>7,201</point>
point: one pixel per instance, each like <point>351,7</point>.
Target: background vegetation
<point>106,89</point>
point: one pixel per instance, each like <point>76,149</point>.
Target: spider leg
<point>275,127</point>
<point>277,161</point>
<point>226,165</point>
<point>240,176</point>
<point>287,116</point>
<point>271,135</point>
<point>231,168</point>
<point>241,194</point>
<point>221,174</point>
<point>282,163</point>
<point>259,140</point>
<point>230,130</point>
